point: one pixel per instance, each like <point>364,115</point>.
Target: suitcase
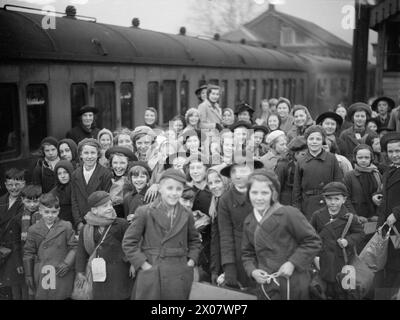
<point>206,291</point>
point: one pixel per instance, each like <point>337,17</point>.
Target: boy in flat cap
<point>163,244</point>
<point>329,222</point>
<point>100,247</point>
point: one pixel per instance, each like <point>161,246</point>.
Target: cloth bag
<point>374,253</point>
<point>363,276</point>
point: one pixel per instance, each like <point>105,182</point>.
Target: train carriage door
<point>104,99</point>
<point>36,104</point>
<point>253,90</point>
<point>224,94</point>
<point>126,98</point>
<point>153,92</point>
<point>79,97</point>
<point>184,96</point>
<point>169,109</point>
<point>10,138</point>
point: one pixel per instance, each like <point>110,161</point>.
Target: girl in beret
<point>313,171</point>
<point>278,244</point>
<point>163,244</point>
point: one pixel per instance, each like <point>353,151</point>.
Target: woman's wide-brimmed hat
<point>331,115</point>
<point>389,101</point>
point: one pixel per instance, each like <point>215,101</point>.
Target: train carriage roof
<point>22,37</point>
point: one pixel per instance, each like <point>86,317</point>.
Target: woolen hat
<point>49,140</point>
<point>98,198</point>
<point>390,102</point>
<point>87,108</point>
<point>271,175</point>
<point>239,124</point>
<point>274,135</point>
<point>261,128</point>
<point>142,130</point>
<point>173,174</point>
<point>314,128</point>
<point>331,115</point>
<point>297,144</point>
<point>226,172</point>
<point>390,136</point>
<point>65,164</point>
<point>358,106</point>
<point>123,150</point>
<point>142,164</point>
<point>334,188</point>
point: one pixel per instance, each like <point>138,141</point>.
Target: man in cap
<point>86,127</point>
<point>163,244</point>
<point>389,210</point>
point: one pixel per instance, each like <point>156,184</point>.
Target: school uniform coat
<point>350,141</point>
<point>285,235</point>
<point>285,172</point>
<point>310,176</point>
<point>391,204</point>
<point>166,249</point>
<point>100,180</point>
<point>50,247</point>
<point>10,237</point>
<point>118,284</point>
<point>233,209</point>
<point>331,255</point>
<point>44,176</point>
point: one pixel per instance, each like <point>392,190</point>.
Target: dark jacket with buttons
<point>133,200</point>
<point>233,209</point>
<point>311,175</point>
<point>44,176</point>
<point>151,238</point>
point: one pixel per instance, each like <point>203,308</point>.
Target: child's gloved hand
<point>62,269</point>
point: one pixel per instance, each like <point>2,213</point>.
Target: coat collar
<point>322,156</point>
<point>6,214</point>
<point>93,182</point>
<point>237,197</point>
<point>53,232</point>
<point>394,177</point>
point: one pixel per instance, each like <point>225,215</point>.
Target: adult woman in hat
<point>209,110</point>
<point>331,123</point>
<point>277,144</point>
<point>87,125</point>
<point>302,120</point>
<point>359,113</point>
<point>163,244</point>
<point>201,93</point>
<point>102,238</point>
<point>244,112</point>
<point>278,244</point>
<point>86,179</point>
<point>313,171</point>
<point>285,168</point>
<point>119,159</point>
<point>283,108</point>
<point>228,117</point>
<point>383,106</point>
<point>258,138</point>
<point>233,208</point>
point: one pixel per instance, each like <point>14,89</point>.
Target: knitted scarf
<point>88,231</point>
<point>370,169</point>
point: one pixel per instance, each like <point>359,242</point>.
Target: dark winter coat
<point>391,204</point>
<point>311,175</point>
<point>10,237</point>
<point>233,209</point>
<point>167,251</point>
<point>50,247</point>
<point>331,255</point>
<point>285,169</point>
<point>100,180</point>
<point>134,200</point>
<point>285,235</point>
<point>44,176</point>
<point>350,141</point>
<point>118,285</point>
<point>80,132</point>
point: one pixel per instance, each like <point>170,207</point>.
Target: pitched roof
<point>307,26</point>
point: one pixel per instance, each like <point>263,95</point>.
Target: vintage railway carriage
<point>46,75</point>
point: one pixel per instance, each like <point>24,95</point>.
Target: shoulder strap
<point>344,233</point>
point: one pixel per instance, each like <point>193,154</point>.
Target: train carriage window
<point>224,94</point>
<point>184,96</point>
<point>10,146</point>
<point>285,91</point>
<point>293,90</point>
<point>253,93</point>
<point>169,100</point>
<point>271,89</point>
<point>246,96</point>
<point>343,86</point>
<point>79,97</point>
<point>276,88</point>
<point>238,89</point>
<point>334,86</point>
<point>36,104</point>
<point>104,99</point>
<point>202,82</point>
<point>214,82</point>
<point>265,92</point>
<point>126,98</point>
<point>153,91</point>
<point>301,91</point>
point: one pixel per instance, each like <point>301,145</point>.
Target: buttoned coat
<point>166,249</point>
<point>391,204</point>
<point>209,115</point>
<point>48,248</point>
<point>79,133</point>
<point>310,176</point>
<point>118,284</point>
<point>331,255</point>
<point>100,180</point>
<point>43,176</point>
<point>233,209</point>
<point>10,237</point>
<point>285,235</point>
<point>350,141</point>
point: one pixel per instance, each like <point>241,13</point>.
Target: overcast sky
<point>170,15</point>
